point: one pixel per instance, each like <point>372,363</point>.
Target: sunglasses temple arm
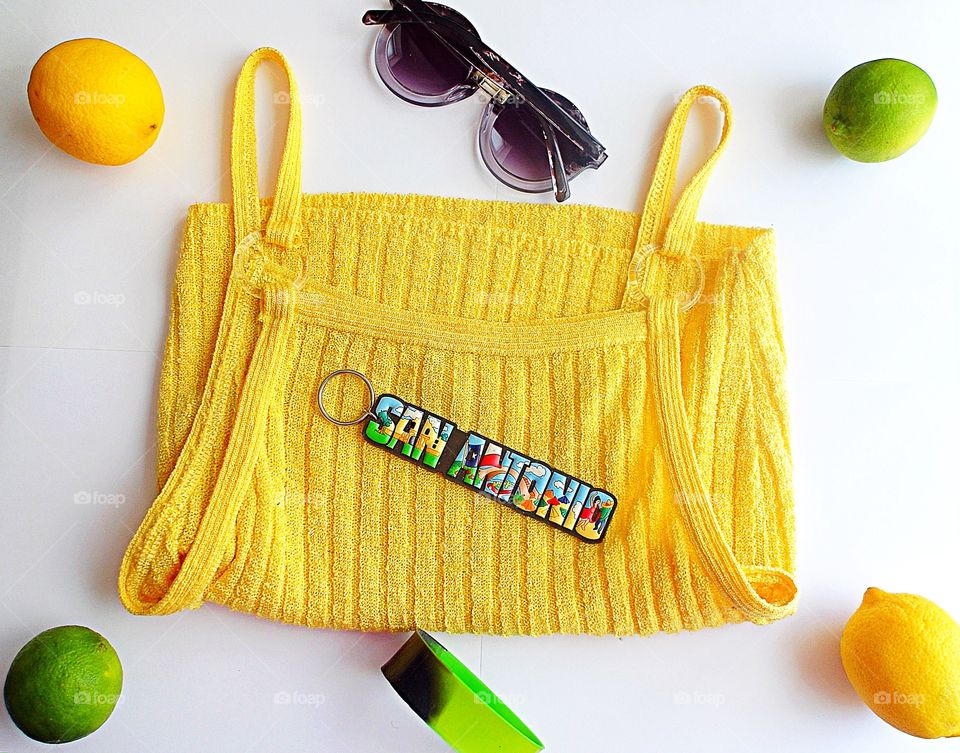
<point>377,17</point>
<point>400,15</point>
<point>558,171</point>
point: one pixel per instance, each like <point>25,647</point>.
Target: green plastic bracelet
<point>454,702</point>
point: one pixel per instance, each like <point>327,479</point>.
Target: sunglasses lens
<point>421,63</point>
<point>517,142</point>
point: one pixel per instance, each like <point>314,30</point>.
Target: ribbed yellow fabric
<point>565,331</point>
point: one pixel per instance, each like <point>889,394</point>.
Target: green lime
<point>63,684</point>
<point>878,110</point>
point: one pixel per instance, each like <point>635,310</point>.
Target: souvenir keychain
<point>483,465</point>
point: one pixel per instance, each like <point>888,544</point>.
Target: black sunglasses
<point>531,139</point>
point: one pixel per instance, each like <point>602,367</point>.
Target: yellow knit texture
<point>564,331</point>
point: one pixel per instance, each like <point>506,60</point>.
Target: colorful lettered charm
<point>527,485</point>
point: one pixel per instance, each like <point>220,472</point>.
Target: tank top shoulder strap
<point>283,225</point>
<point>673,233</point>
<point>761,593</point>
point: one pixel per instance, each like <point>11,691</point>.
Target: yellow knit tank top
<point>641,352</point>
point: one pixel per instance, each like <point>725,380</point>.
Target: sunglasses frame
<point>502,83</point>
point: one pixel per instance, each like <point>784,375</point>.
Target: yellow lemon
<point>902,655</point>
<point>96,101</point>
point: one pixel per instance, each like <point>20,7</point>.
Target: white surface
<point>869,274</point>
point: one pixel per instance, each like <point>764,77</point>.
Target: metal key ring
<point>367,413</point>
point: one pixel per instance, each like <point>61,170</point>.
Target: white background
<point>869,273</point>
